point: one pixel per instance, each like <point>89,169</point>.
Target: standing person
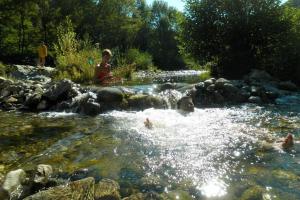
<point>102,73</point>
<point>43,52</point>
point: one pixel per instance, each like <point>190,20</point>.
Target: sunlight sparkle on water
<point>196,146</point>
<point>214,188</point>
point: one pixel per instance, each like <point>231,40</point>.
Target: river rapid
<point>212,153</point>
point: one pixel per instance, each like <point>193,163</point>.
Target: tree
<point>163,44</point>
<point>237,34</point>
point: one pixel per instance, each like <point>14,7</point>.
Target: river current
<point>212,153</point>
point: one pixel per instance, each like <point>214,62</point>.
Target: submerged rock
<point>107,189</point>
<point>253,193</point>
<point>77,190</point>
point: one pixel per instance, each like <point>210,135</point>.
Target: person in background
<point>43,52</point>
<point>102,71</point>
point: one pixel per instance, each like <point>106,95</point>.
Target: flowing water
<point>212,153</point>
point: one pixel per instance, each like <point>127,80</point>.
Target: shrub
<point>142,60</point>
<point>75,59</point>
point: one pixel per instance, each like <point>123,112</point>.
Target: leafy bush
<point>75,59</point>
<point>142,60</point>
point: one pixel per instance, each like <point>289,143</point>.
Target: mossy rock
<point>77,190</point>
<point>285,175</point>
<point>107,189</point>
<point>253,193</point>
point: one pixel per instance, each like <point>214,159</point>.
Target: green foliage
<point>142,61</point>
<point>2,69</point>
<point>124,71</point>
<point>75,59</point>
<point>239,35</point>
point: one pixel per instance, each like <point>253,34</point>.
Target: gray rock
<point>32,101</point>
<point>208,83</point>
<point>255,99</point>
<point>13,181</point>
<point>221,82</point>
<point>211,88</point>
<point>260,75</point>
<point>31,72</point>
<point>78,190</point>
<point>107,189</point>
<point>288,85</point>
<point>43,105</point>
<point>90,107</point>
<point>59,91</point>
<point>43,173</point>
<point>166,86</point>
<point>109,95</point>
<point>186,104</point>
<point>142,102</point>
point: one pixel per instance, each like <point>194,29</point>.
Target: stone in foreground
<point>77,190</point>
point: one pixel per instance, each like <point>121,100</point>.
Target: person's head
<point>42,43</point>
<point>106,55</point>
<point>288,141</point>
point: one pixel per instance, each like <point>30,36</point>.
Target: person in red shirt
<point>102,71</point>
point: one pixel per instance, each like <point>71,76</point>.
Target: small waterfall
<point>171,97</point>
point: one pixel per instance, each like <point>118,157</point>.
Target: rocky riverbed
<point>28,93</point>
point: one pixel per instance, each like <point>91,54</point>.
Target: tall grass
<point>75,59</point>
<point>3,69</point>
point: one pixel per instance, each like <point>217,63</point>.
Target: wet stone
<point>107,189</point>
<point>78,190</point>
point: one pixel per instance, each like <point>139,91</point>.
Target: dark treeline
<point>121,24</point>
<point>234,36</point>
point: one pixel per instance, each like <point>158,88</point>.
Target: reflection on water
<point>213,152</point>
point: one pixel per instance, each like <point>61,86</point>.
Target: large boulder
<point>221,82</point>
<point>59,91</point>
<point>186,104</point>
<point>12,184</point>
<point>142,102</point>
<point>77,190</point>
<point>107,189</point>
<point>89,106</point>
<point>109,95</point>
<point>33,100</point>
<point>259,75</point>
<point>288,85</point>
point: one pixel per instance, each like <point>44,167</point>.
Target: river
<point>212,153</point>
